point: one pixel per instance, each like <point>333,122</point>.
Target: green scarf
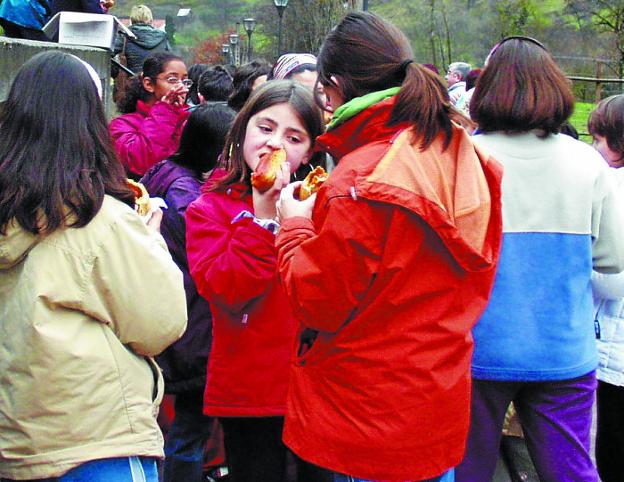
<point>355,106</point>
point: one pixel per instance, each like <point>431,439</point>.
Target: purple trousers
<point>556,420</point>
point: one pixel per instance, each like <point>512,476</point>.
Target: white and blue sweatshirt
<point>562,216</point>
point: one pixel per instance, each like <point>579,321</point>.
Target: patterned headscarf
<point>289,62</point>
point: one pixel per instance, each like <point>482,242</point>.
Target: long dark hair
<point>203,137</point>
<point>56,157</point>
<point>271,93</point>
<point>153,65</point>
<point>367,54</point>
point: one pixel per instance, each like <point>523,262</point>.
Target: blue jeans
<point>447,477</point>
<point>123,469</point>
<point>184,446</point>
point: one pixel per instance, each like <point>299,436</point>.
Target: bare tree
<point>604,16</point>
<point>513,15</point>
<point>309,21</point>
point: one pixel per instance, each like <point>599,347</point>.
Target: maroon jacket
<point>234,266</point>
<point>148,135</point>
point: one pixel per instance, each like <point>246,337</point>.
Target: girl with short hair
<point>606,125</point>
<point>535,344</point>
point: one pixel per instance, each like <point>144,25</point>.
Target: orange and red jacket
<point>388,278</point>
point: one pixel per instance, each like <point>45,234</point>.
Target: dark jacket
<point>148,40</point>
<point>183,363</point>
<point>86,6</point>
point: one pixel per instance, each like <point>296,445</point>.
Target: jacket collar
<point>359,121</point>
<point>357,105</point>
<point>143,108</point>
<point>15,245</point>
<point>236,190</point>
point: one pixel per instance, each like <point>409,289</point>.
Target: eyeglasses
<point>174,80</point>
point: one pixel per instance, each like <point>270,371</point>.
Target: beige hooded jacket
<point>82,310</point>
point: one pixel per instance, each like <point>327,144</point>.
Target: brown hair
<point>367,54</point>
<point>607,120</point>
<point>520,89</point>
<point>267,95</point>
<point>243,80</point>
<point>56,156</point>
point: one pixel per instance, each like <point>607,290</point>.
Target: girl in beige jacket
<point>88,291</point>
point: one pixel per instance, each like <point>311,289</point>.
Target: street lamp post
<point>225,50</point>
<point>234,47</point>
<point>281,6</point>
<point>250,25</point>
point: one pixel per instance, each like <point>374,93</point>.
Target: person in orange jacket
<point>388,267</point>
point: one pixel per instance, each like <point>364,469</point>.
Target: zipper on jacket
<point>597,321</point>
<point>244,319</point>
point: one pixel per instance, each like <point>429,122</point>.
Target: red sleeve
<point>142,144</point>
<point>232,264</point>
<point>327,271</point>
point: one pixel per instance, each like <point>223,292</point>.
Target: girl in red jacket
<point>154,113</point>
<point>389,269</point>
<point>232,258</point>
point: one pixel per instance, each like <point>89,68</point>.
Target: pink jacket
<point>148,135</point>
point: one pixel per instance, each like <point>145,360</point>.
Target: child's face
<point>170,78</point>
<point>613,158</point>
<point>273,128</point>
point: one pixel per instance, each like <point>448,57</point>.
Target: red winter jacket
<point>148,135</point>
<point>235,268</point>
<point>390,275</point>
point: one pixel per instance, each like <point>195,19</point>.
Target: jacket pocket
<point>307,340</point>
<point>159,382</point>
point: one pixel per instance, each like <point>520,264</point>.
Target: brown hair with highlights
<point>365,54</point>
<point>267,95</point>
<point>521,88</point>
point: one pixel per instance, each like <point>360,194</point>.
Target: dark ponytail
<point>367,54</point>
<point>423,100</point>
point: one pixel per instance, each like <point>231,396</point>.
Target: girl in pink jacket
<point>153,113</point>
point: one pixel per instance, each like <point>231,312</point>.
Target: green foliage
<point>440,31</point>
<point>579,119</point>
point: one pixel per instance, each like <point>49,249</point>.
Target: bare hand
<point>155,219</point>
<point>289,207</point>
<point>176,95</point>
<point>264,202</point>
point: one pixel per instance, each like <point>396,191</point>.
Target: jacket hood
<point>456,191</point>
<point>147,37</point>
<point>160,177</point>
<point>15,245</point>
